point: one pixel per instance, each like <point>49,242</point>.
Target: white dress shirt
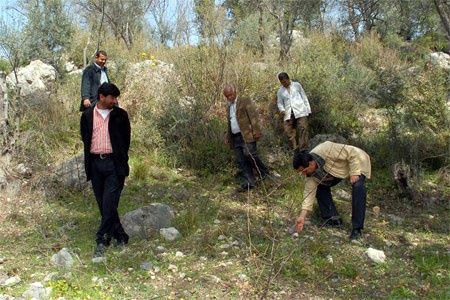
<point>103,77</point>
<point>293,99</point>
<point>234,124</point>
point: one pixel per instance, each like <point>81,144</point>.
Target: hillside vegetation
<point>380,92</point>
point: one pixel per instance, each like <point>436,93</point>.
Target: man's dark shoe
<point>100,250</point>
<point>244,188</point>
<point>334,222</point>
<point>121,244</point>
<point>356,234</point>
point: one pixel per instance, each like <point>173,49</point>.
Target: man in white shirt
<point>294,108</point>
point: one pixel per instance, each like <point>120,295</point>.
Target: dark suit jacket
<point>119,134</point>
<point>90,82</point>
<point>247,119</point>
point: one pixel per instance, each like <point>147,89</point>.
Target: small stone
<point>375,255</point>
<point>62,259</point>
<point>330,259</point>
<point>224,253</point>
<point>94,279</point>
<point>179,254</point>
<point>170,233</point>
<point>430,217</point>
<point>182,275</point>
<point>225,246</point>
<point>215,279</point>
<point>37,291</point>
<point>242,277</point>
<point>216,221</point>
<point>203,258</point>
<point>395,220</point>
<point>50,276</point>
<point>12,280</point>
<point>343,195</point>
<point>160,249</point>
<point>156,269</point>
<point>295,235</point>
<point>97,260</point>
<point>221,237</point>
<point>173,268</point>
<point>235,243</point>
<point>146,266</point>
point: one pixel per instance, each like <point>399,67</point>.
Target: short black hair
<point>301,158</point>
<point>282,76</point>
<point>107,89</point>
<point>97,54</point>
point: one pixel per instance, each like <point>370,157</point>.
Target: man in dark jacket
<point>93,76</point>
<point>105,130</point>
<point>243,132</point>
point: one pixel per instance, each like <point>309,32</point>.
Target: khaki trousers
<point>290,127</point>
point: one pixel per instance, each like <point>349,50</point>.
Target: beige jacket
<point>341,161</point>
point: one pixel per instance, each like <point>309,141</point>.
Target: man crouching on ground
<point>105,130</point>
<point>325,166</point>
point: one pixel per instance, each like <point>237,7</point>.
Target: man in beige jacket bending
<point>325,166</point>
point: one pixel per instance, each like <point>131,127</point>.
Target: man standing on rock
<point>294,108</point>
<point>325,166</point>
<point>93,76</point>
<point>243,132</point>
<point>105,130</point>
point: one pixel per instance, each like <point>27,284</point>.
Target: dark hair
<point>301,158</point>
<point>97,54</point>
<point>282,76</point>
<point>107,89</point>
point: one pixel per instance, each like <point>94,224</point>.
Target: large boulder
<point>320,138</point>
<point>147,221</point>
<point>34,80</point>
<point>71,173</point>
<point>440,59</point>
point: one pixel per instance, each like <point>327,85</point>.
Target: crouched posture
<point>325,166</point>
<point>105,130</point>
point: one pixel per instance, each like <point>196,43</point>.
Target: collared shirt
<point>103,77</point>
<point>293,100</point>
<point>101,143</point>
<point>234,124</point>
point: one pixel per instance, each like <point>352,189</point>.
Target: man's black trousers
<point>359,195</point>
<point>247,159</point>
<point>107,187</point>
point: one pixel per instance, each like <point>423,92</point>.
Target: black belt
<point>103,155</point>
<point>236,134</point>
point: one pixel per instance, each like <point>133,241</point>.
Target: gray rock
<point>3,278</point>
<point>395,220</point>
<point>320,138</point>
<point>343,195</point>
<point>440,59</point>
<point>71,173</point>
<point>37,291</point>
<point>12,280</point>
<point>160,249</point>
<point>375,255</point>
<point>147,221</point>
<point>62,259</point>
<point>97,260</point>
<point>146,266</point>
<point>23,170</point>
<point>34,80</point>
<point>6,297</point>
<point>3,179</point>
<point>170,233</point>
<point>50,276</point>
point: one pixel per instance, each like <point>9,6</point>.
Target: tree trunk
<point>353,20</point>
<point>444,14</point>
<point>261,29</point>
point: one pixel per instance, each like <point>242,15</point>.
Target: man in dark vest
<point>93,76</point>
<point>105,130</point>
